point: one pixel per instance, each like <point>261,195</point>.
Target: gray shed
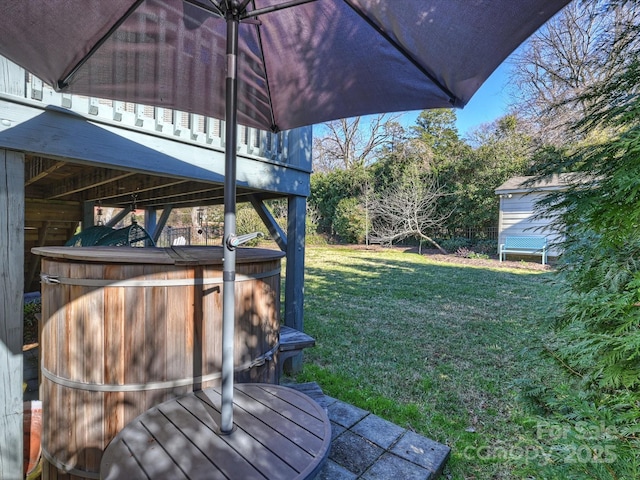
<point>518,197</point>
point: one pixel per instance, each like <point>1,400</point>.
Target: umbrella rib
<point>244,5</point>
<point>455,101</point>
<point>216,10</point>
<point>65,81</point>
<point>274,127</point>
<point>255,13</point>
<point>274,8</point>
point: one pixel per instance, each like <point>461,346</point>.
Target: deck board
<point>190,444</point>
<point>280,445</point>
<point>234,454</point>
<point>280,434</point>
<point>147,454</point>
<point>289,422</point>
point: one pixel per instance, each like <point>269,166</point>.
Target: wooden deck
<point>280,434</point>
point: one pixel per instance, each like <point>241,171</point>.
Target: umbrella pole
<point>229,259</point>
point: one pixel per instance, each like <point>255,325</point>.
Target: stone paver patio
<point>366,447</point>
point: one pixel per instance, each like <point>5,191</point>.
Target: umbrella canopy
<point>307,63</point>
<point>270,64</point>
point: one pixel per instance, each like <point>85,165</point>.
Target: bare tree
<point>351,142</point>
<point>577,49</point>
<point>408,209</point>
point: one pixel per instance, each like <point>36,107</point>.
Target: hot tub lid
<point>178,255</point>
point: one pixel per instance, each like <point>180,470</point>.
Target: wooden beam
<point>150,223</point>
<point>160,195</point>
<point>88,216</point>
<point>274,229</point>
<point>116,218</point>
<point>11,293</point>
<point>299,143</point>
<point>56,133</point>
<point>209,197</point>
<point>138,184</point>
<point>185,199</point>
<point>95,178</point>
<point>166,211</point>
<point>38,168</point>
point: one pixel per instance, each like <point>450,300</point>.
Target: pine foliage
<point>598,324</point>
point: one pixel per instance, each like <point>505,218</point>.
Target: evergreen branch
<point>562,362</point>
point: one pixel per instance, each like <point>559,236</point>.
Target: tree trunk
<point>432,242</point>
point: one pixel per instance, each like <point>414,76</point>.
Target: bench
<point>292,342</point>
<point>524,246</point>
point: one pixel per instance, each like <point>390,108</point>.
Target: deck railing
<point>181,126</point>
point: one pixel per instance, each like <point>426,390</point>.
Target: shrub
<point>248,221</point>
<point>598,325</point>
<point>465,252</point>
<point>349,221</point>
<point>316,239</point>
<point>30,332</point>
<point>454,244</point>
<point>486,246</point>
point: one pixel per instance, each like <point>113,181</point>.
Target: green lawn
<point>435,347</point>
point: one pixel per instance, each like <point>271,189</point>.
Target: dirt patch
<point>492,262</point>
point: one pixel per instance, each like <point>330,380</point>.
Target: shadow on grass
<point>431,346</point>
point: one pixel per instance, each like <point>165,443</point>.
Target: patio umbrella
<point>270,64</point>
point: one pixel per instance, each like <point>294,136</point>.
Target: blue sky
<point>488,103</point>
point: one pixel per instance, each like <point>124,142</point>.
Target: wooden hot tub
<point>125,329</point>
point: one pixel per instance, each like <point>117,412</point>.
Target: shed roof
<point>529,184</point>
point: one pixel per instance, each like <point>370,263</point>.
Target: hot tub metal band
<point>135,387</point>
<point>69,470</point>
<point>95,387</point>
<point>100,282</point>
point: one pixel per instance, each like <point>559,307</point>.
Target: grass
<point>434,347</point>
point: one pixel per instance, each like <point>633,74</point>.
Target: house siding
<point>518,218</point>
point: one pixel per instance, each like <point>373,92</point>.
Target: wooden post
<point>150,223</point>
<point>119,216</point>
<point>298,154</point>
<point>88,214</point>
<point>11,293</point>
<point>294,287</point>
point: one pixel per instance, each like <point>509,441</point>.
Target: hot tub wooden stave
<point>128,328</point>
